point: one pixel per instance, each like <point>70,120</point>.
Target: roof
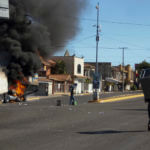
<point>112,80</point>
<point>66,53</point>
<point>47,62</point>
<point>81,77</point>
<point>44,79</point>
<point>44,62</point>
<point>89,66</point>
<point>115,69</point>
<point>52,62</point>
<point>60,77</point>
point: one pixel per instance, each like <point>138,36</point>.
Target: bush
<point>134,87</point>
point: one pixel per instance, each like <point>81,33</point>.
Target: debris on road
<point>101,113</point>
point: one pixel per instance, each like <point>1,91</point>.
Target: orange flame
<point>19,88</point>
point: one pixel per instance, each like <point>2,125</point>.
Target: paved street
<point>39,125</point>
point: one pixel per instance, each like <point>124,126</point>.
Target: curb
<point>33,98</point>
<point>117,98</point>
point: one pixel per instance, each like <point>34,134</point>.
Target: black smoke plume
<point>36,28</point>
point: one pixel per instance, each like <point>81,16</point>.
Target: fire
<point>19,88</point>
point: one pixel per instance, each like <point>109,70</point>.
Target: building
<point>104,69</point>
<point>61,83</point>
<point>89,71</point>
<point>4,9</point>
<point>52,83</point>
<point>75,68</point>
<point>128,78</point>
<point>45,70</point>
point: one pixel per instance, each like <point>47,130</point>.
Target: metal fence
<point>61,88</point>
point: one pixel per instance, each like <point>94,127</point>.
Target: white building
<point>4,9</point>
<point>74,67</point>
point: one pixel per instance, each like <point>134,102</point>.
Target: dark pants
<point>72,99</point>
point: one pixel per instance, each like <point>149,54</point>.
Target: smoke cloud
<point>36,28</point>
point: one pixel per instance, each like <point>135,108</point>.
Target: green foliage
<point>143,65</point>
<point>88,80</point>
<point>60,67</point>
<point>133,87</point>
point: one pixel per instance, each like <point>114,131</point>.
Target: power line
<point>108,21</point>
<point>125,23</point>
<point>106,48</point>
<point>89,37</point>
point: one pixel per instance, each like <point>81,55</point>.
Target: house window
<point>79,68</point>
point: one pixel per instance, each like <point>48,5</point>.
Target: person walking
<point>72,99</point>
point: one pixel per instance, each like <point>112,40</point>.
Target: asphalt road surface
<point>88,126</point>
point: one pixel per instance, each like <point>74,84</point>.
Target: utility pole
<point>96,76</point>
<point>123,48</point>
<point>97,37</point>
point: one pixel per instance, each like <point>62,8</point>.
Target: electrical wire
<point>108,21</point>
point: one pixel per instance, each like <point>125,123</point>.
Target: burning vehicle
<point>18,91</point>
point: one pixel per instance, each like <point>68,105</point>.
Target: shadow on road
<point>110,132</point>
<point>132,109</point>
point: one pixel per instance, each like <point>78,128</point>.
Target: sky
<point>123,23</point>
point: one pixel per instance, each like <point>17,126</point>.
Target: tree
<point>143,65</point>
<point>59,68</point>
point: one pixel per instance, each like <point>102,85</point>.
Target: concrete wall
<point>50,87</point>
<point>78,61</point>
<point>90,88</point>
<point>3,82</point>
<point>104,68</point>
<point>78,89</point>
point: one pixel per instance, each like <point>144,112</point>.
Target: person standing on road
<point>149,115</point>
<point>72,99</point>
<point>145,80</point>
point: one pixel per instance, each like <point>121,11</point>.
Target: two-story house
<point>59,82</point>
<point>128,78</point>
<point>74,67</point>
